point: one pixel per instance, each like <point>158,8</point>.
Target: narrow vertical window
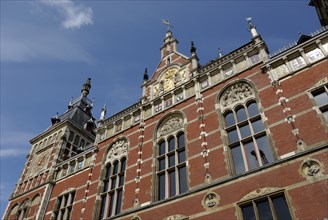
<point>113,183</point>
<point>63,206</point>
<point>171,160</point>
<point>247,138</point>
<point>244,128</point>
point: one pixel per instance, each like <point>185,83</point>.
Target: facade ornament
<point>235,93</point>
<point>320,83</point>
<point>174,123</point>
<point>311,168</point>
<point>176,217</point>
<point>259,192</point>
<point>136,218</point>
<point>117,150</point>
<point>211,200</point>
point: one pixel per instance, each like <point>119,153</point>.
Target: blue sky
<point>49,48</point>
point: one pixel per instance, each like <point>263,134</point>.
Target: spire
<point>55,119</point>
<point>192,48</point>
<point>219,52</point>
<point>252,27</point>
<point>70,104</point>
<point>103,113</point>
<point>169,43</point>
<point>86,87</point>
<point>145,76</point>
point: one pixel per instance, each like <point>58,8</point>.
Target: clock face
<point>169,79</point>
<point>40,162</point>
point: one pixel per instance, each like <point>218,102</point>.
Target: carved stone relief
<point>174,123</point>
<point>211,200</point>
<point>235,93</point>
<point>118,149</point>
<point>311,168</point>
<point>176,217</point>
<point>259,192</point>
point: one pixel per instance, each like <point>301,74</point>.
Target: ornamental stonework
<point>211,200</point>
<point>173,124</point>
<point>259,192</point>
<point>118,150</point>
<point>236,93</point>
<point>176,217</point>
<point>311,168</point>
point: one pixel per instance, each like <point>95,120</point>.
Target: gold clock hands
<point>41,160</point>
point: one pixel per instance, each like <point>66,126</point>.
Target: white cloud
<point>23,42</point>
<point>15,143</point>
<point>74,15</point>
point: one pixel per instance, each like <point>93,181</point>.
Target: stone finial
<point>103,112</point>
<point>86,87</point>
<point>251,27</point>
<point>145,76</point>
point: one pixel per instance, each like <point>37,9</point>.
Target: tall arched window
<point>171,172</point>
<point>246,135</point>
<point>113,180</point>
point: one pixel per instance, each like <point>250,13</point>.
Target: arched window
<point>171,172</point>
<point>246,136</point>
<point>23,210</point>
<point>113,180</point>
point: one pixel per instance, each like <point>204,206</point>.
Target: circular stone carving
<point>211,200</point>
<point>311,168</point>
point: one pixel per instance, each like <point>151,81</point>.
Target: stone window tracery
<point>272,206</point>
<point>63,206</point>
<point>246,137</point>
<point>113,179</point>
<point>171,171</point>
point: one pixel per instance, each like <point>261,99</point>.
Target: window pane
<point>321,99</point>
<point>257,126</point>
<point>233,136</point>
<point>113,186</point>
<point>161,187</point>
<point>241,114</point>
<point>161,164</point>
<point>238,160</point>
<point>181,141</point>
<point>229,119</point>
<point>162,148</point>
<point>121,180</point>
<point>281,208</point>
<point>111,204</point>
<point>182,156</point>
<point>253,110</point>
<point>103,206</point>
<point>171,160</point>
<point>171,144</point>
<point>251,155</point>
<point>172,183</point>
<point>182,180</point>
<point>106,183</point>
<point>115,167</point>
<point>118,202</point>
<point>248,213</point>
<point>123,164</point>
<point>108,171</point>
<point>264,210</point>
<point>265,151</point>
<point>245,131</point>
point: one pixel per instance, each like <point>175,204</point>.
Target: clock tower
<point>69,134</point>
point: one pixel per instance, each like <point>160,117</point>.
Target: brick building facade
<point>242,137</point>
